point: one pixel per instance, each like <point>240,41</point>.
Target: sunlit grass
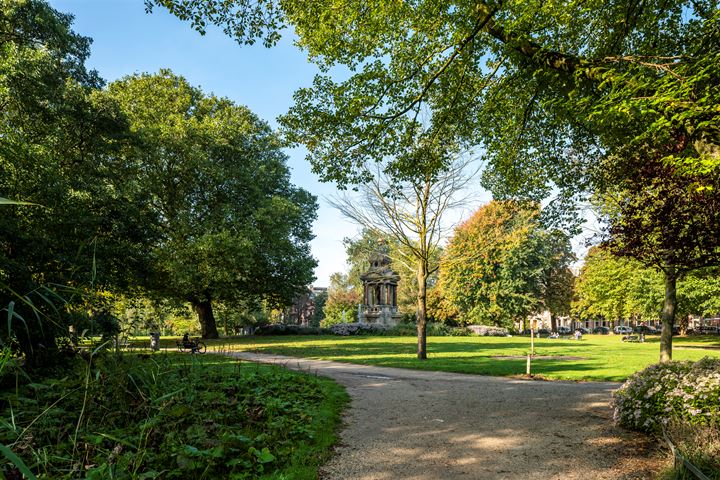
<point>604,357</point>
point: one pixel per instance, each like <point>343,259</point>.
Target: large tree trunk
<point>668,314</point>
<point>553,322</point>
<point>206,317</point>
<point>422,276</point>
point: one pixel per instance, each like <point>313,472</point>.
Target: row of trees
<point>615,100</point>
<point>147,186</point>
<point>616,288</point>
<point>499,267</point>
<point>503,265</point>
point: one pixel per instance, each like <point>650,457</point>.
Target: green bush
<point>282,329</point>
<point>687,392</point>
<point>170,416</point>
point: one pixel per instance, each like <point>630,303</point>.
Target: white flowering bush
<point>488,330</point>
<point>687,392</point>
<point>346,329</point>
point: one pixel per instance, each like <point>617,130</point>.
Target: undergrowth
<point>168,416</point>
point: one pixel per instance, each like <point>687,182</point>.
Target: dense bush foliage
<point>488,331</point>
<point>346,329</point>
<point>171,416</point>
<point>402,329</point>
<point>687,392</point>
<point>281,329</point>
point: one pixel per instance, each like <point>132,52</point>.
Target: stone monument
<point>379,292</point>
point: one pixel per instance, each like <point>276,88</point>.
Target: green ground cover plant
<point>596,357</point>
<point>167,416</point>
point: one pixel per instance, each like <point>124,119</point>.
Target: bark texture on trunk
<point>553,322</point>
<point>422,312</point>
<point>668,315</point>
<point>204,311</point>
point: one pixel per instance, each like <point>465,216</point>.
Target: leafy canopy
<point>498,265</point>
<point>548,88</point>
<point>232,224</point>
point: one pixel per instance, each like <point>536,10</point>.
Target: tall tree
<point>411,213</point>
<point>543,85</point>
<point>232,224</point>
<point>60,142</point>
<point>557,280</point>
<point>559,93</point>
<point>667,219</point>
<point>343,298</point>
<point>616,288</point>
<point>496,269</point>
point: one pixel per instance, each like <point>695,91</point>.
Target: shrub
<point>700,444</point>
<point>186,417</point>
<point>442,330</point>
<point>282,329</point>
<point>687,392</point>
<point>402,329</point>
<point>488,330</point>
<point>346,329</point>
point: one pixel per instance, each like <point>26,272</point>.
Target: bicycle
<point>191,346</point>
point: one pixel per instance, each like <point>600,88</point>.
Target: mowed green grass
<point>603,357</point>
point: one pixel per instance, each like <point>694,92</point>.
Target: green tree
<point>500,264</point>
<point>667,219</point>
<point>544,84</point>
<point>557,280</point>
<point>411,213</point>
<point>569,96</point>
<point>319,313</point>
<point>342,301</point>
<point>616,288</point>
<point>60,144</point>
<point>233,228</point>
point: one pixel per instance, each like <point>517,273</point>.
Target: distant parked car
<point>564,330</point>
<point>543,331</point>
<point>622,329</point>
<point>707,329</point>
<point>647,330</point>
<point>601,330</point>
<point>584,330</point>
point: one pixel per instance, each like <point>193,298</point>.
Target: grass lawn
<point>603,357</point>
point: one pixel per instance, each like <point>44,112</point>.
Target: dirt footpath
<point>409,424</point>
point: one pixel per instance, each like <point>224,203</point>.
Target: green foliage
<point>676,391</point>
<point>319,312</point>
<point>232,225</point>
<point>176,416</point>
<point>499,265</point>
<point>617,289</point>
<point>547,87</point>
<point>342,302</point>
<point>623,289</point>
<point>60,148</point>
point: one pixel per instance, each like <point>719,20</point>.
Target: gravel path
<point>410,424</point>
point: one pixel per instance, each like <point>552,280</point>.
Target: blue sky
<point>126,40</point>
